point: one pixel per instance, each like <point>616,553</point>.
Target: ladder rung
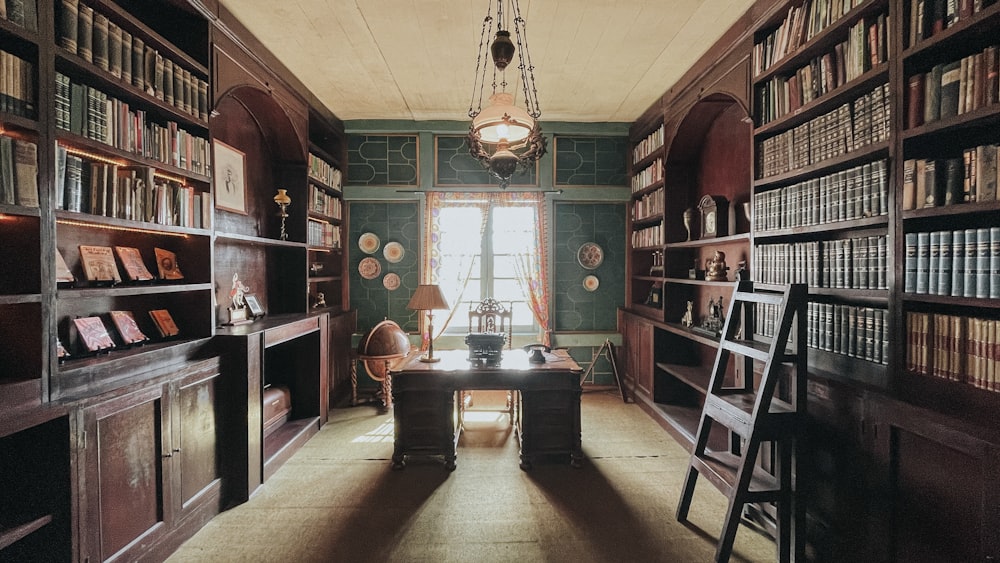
<point>720,469</point>
<point>756,350</point>
<point>767,298</point>
<point>735,412</point>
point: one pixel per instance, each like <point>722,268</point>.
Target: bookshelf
<point>645,222</point>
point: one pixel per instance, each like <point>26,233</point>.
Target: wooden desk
<point>425,412</point>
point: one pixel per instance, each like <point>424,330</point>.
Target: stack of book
<point>855,193</point>
<point>645,147</point>
<point>858,332</point>
<point>930,17</point>
<point>324,203</point>
<point>18,172</point>
<point>91,35</point>
<point>23,13</point>
<point>953,88</point>
<point>846,129</point>
<point>960,263</point>
<point>324,172</point>
<point>650,236</point>
<point>956,348</point>
<point>321,233</point>
<point>856,263</point>
<point>86,111</point>
<point>649,205</point>
<point>803,22</point>
<point>17,85</point>
<point>648,175</point>
<point>971,178</point>
<point>864,49</point>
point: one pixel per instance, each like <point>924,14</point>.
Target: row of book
<point>855,193</point>
<point>321,233</point>
<point>930,17</point>
<point>953,88</point>
<point>127,192</point>
<point>953,347</point>
<point>99,266</point>
<point>648,205</point>
<point>864,49</point>
<point>801,24</point>
<point>94,335</point>
<point>17,85</point>
<point>87,111</point>
<point>84,31</point>
<point>645,147</point>
<point>18,172</point>
<point>23,13</point>
<point>324,172</point>
<point>322,202</point>
<point>849,330</point>
<point>971,178</point>
<point>650,236</point>
<point>848,128</point>
<point>648,175</point>
<point>856,263</point>
<point>960,263</point>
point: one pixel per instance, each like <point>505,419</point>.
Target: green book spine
<point>126,57</point>
<point>203,99</point>
<point>26,173</point>
<point>15,12</point>
<point>115,49</point>
<point>950,82</point>
<point>7,170</point>
<point>138,50</point>
<point>158,75</point>
<point>168,81</point>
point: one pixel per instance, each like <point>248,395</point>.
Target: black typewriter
<point>486,347</point>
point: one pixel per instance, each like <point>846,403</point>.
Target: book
<point>957,263</point>
<point>85,33</point>
<point>63,274</point>
<point>910,263</point>
<point>93,334</point>
<point>126,57</point>
<point>986,172</point>
<point>166,263</point>
<point>100,41</point>
<point>164,323</point>
<point>950,84</point>
<point>7,186</point>
<point>923,262</point>
<point>131,260</point>
<point>115,49</point>
<point>26,172</point>
<point>954,176</point>
<point>99,263</point>
<point>67,16</point>
<point>932,94</point>
<point>994,267</point>
<point>916,96</point>
<point>127,328</point>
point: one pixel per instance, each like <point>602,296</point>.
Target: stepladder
<point>757,396</point>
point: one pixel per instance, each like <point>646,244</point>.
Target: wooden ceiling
<point>595,60</point>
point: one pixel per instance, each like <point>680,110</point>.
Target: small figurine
<point>715,320</point>
<point>320,301</point>
<point>688,319</point>
<point>715,267</point>
<point>237,293</point>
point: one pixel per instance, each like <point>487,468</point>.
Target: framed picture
<point>230,178</point>
<point>255,308</point>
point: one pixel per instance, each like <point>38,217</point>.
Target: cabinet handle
<point>177,450</point>
<point>168,455</point>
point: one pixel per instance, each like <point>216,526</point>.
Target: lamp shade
<point>503,120</point>
<point>427,297</point>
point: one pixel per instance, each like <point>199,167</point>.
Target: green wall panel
<point>456,167</point>
<point>577,309</point>
<point>391,222</point>
<point>382,160</point>
<point>590,161</point>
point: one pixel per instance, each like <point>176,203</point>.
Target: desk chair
<point>490,315</point>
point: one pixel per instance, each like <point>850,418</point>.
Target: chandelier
<point>505,137</point>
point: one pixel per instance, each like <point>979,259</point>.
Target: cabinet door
<point>643,354</point>
<point>125,498</point>
<point>197,423</point>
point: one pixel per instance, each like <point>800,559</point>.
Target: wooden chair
<point>490,315</point>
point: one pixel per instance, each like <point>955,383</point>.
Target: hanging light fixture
<point>503,136</point>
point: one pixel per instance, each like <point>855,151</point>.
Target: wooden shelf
<point>66,138</point>
<point>250,239</point>
<point>19,210</point>
<point>125,224</point>
<point>647,189</point>
<point>647,221</point>
<point>22,33</point>
<point>979,207</point>
<point>645,161</point>
<point>696,377</point>
<point>679,329</point>
<point>717,241</point>
<point>20,299</point>
<point>817,232</point>
<point>875,297</point>
<point>11,120</point>
<point>325,186</point>
<point>126,290</point>
<point>706,283</point>
<point>952,39</point>
<point>975,302</point>
<point>320,279</point>
<point>983,118</point>
<point>327,218</point>
<point>11,534</point>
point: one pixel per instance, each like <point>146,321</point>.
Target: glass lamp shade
<point>282,197</point>
<point>503,163</point>
<point>502,120</point>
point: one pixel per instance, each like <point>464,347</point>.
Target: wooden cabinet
<point>150,459</point>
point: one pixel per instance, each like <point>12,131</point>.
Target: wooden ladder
<point>753,416</point>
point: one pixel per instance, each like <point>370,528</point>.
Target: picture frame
<point>256,309</point>
<point>230,186</point>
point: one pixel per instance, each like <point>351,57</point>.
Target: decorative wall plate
<point>369,268</point>
<point>369,243</point>
<point>391,281</point>
<point>590,283</point>
<point>393,252</point>
<point>590,255</point>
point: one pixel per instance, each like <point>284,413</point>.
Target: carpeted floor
<point>337,500</point>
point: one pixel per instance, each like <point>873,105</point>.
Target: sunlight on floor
<point>382,433</point>
<point>484,416</point>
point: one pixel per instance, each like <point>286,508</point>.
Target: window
<point>477,258</point>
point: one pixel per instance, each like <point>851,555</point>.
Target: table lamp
<point>428,297</point>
